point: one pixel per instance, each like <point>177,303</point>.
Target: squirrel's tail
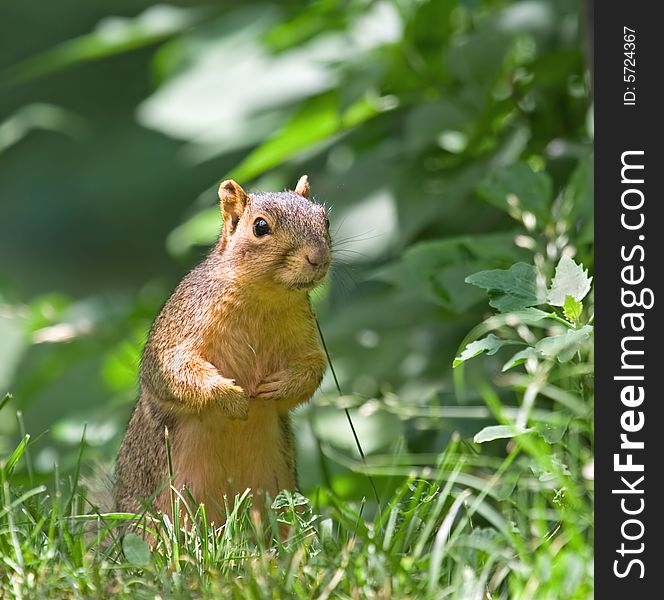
<point>97,488</point>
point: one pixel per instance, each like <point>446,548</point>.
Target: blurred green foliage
<point>452,141</point>
<point>448,137</point>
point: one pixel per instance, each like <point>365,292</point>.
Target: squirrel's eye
<point>261,227</point>
<point>327,222</point>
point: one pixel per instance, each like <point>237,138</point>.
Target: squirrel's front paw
<point>233,400</point>
<point>272,387</point>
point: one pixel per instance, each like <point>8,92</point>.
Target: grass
<point>469,526</point>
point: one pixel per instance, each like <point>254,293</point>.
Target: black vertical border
<point>620,128</point>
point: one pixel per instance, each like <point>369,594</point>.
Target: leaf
<point>36,116</point>
<point>317,120</point>
<point>570,279</point>
<point>497,432</point>
<point>436,270</point>
<point>136,550</point>
<point>287,498</point>
<point>476,60</point>
<point>113,35</point>
<point>553,427</point>
<point>564,346</point>
<point>520,358</point>
<point>572,308</point>
<point>451,289</point>
<point>511,289</point>
<point>16,455</point>
<point>490,344</point>
<point>519,188</point>
<point>527,316</point>
<point>425,121</point>
<point>5,400</point>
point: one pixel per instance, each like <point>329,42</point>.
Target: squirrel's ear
<point>233,199</point>
<point>302,186</point>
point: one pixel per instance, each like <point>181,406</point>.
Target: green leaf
<point>520,358</point>
<point>527,316</point>
<point>16,455</point>
<point>426,121</point>
<point>572,308</point>
<point>510,289</point>
<point>36,116</point>
<point>436,270</point>
<point>113,35</point>
<point>563,347</point>
<point>497,432</point>
<point>5,400</point>
<point>287,498</point>
<point>490,344</point>
<point>570,279</point>
<point>317,120</point>
<point>518,188</point>
<point>136,550</point>
<point>553,427</point>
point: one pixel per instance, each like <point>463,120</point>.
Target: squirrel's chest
<point>250,348</point>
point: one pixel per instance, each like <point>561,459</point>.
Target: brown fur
<point>232,351</point>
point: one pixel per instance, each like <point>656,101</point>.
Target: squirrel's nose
<point>316,256</point>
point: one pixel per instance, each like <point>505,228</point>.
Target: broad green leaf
<point>527,316</point>
<point>572,308</point>
<point>570,280</point>
<point>36,116</point>
<point>476,59</point>
<point>519,358</point>
<point>451,289</point>
<point>563,347</point>
<point>426,121</point>
<point>317,120</point>
<point>437,270</point>
<point>136,550</point>
<point>490,345</point>
<point>517,188</point>
<point>287,498</point>
<point>497,432</point>
<point>553,427</point>
<point>113,35</point>
<point>510,289</point>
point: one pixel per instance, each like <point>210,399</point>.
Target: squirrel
<point>234,349</point>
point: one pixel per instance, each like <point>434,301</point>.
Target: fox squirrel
<point>233,350</point>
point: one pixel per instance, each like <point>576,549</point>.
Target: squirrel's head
<point>278,237</point>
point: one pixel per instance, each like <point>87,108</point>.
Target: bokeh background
<point>415,121</point>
